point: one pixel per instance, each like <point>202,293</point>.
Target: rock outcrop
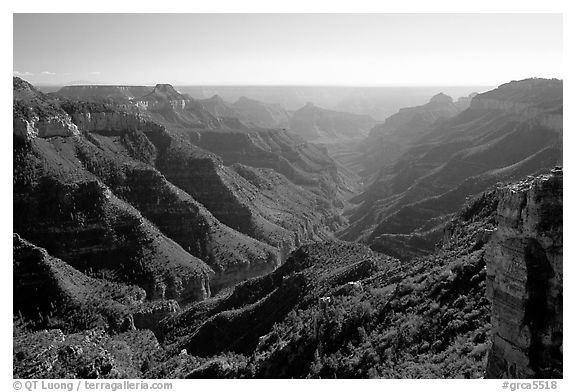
<point>168,105</point>
<point>524,280</point>
<point>113,121</point>
<point>37,115</point>
<point>45,127</point>
<point>441,98</point>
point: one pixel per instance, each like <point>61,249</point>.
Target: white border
<point>246,6</point>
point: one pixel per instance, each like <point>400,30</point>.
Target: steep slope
<point>49,293</point>
<point>302,163</point>
<point>218,107</point>
<point>88,354</point>
<point>119,152</point>
<point>282,214</point>
<point>338,310</point>
<point>240,221</point>
<point>235,142</point>
<point>309,273</point>
<point>261,115</point>
<point>72,214</point>
<point>34,114</point>
<point>141,210</point>
<point>333,309</point>
<point>314,123</point>
<point>387,142</point>
<point>259,203</point>
<point>167,104</point>
<point>461,156</point>
<point>83,175</point>
<point>252,113</point>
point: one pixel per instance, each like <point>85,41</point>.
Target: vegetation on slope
<point>343,311</point>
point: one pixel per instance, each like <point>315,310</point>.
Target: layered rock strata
<point>524,280</point>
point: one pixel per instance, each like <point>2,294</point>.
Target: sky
<point>287,49</point>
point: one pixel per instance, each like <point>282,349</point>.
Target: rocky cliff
<point>35,115</point>
<point>524,280</point>
<point>112,121</point>
<point>46,127</point>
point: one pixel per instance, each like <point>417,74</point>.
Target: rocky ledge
<point>113,121</point>
<point>44,127</point>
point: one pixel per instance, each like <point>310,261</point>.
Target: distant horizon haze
<point>376,101</point>
<point>348,50</point>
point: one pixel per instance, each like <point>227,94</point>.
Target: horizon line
<point>265,85</point>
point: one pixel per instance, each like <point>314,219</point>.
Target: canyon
<point>242,239</point>
<point>413,195</point>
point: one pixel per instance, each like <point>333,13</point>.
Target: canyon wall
<point>44,127</point>
<point>524,111</point>
<point>113,121</point>
<point>524,280</point>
